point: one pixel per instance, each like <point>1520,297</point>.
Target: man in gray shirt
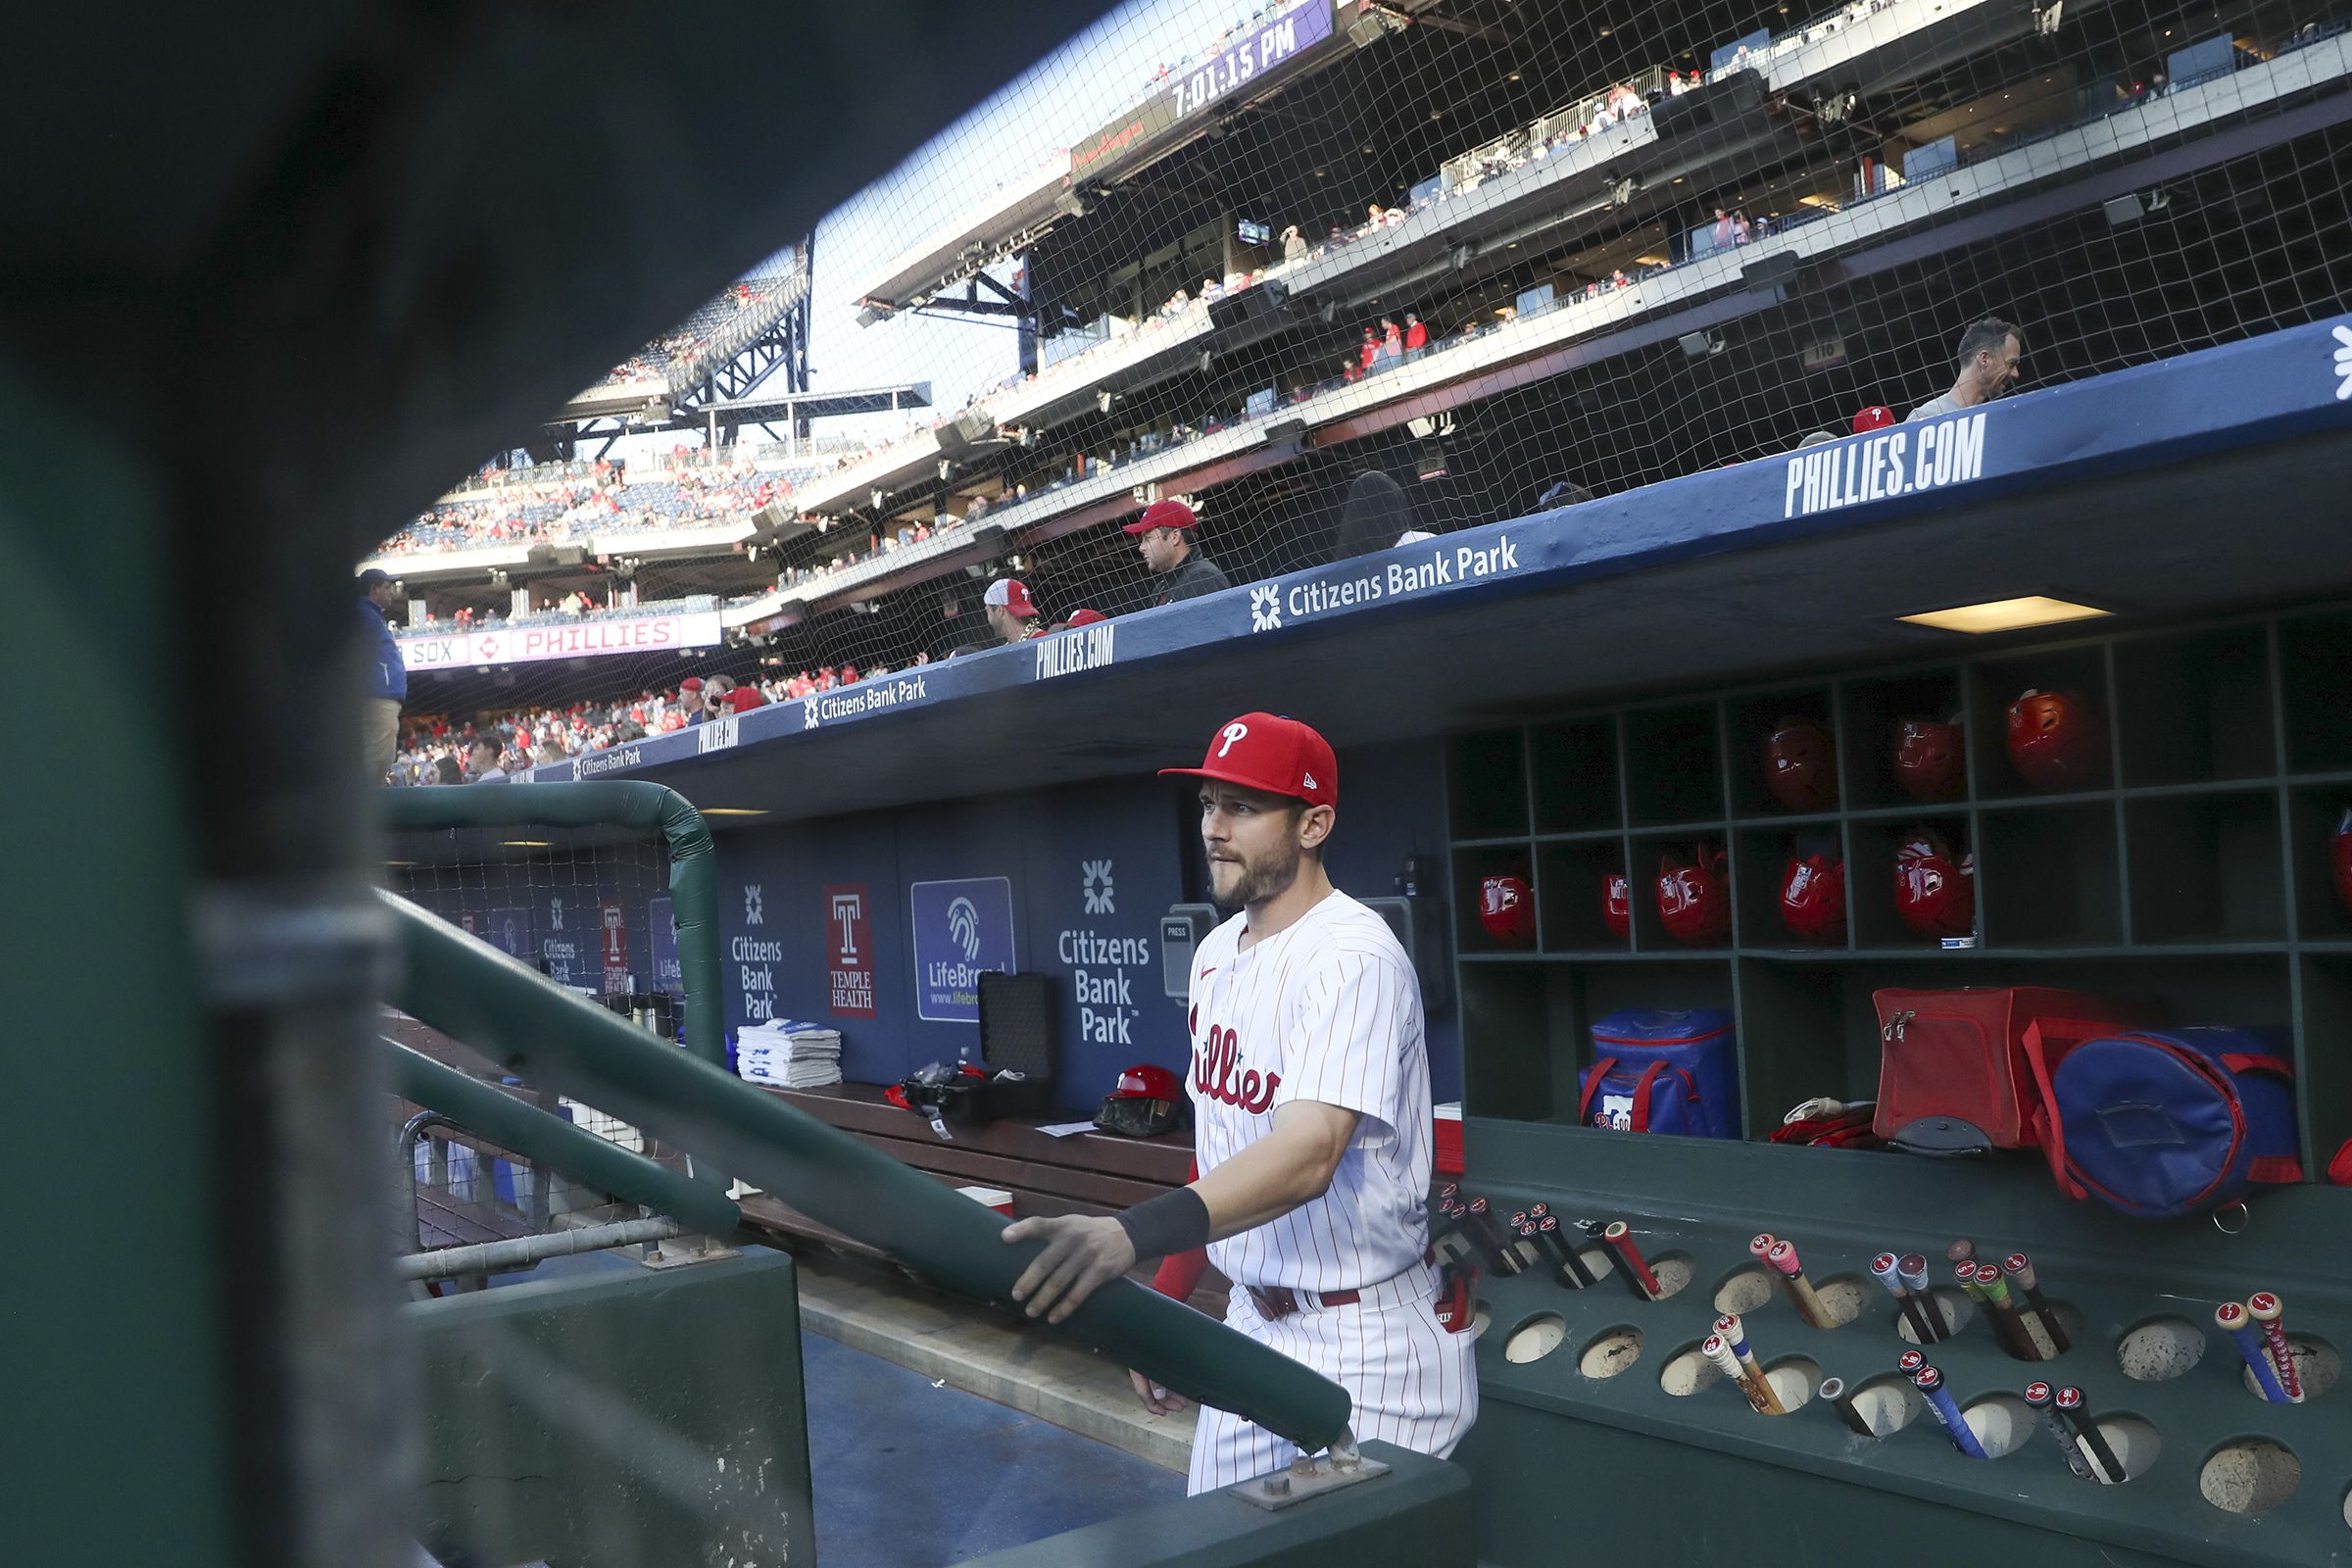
<point>1989,350</point>
<point>1163,536</point>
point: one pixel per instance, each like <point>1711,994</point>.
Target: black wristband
<point>1164,1226</point>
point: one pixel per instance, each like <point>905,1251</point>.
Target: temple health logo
<point>755,913</point>
<point>1096,886</point>
<point>1265,607</point>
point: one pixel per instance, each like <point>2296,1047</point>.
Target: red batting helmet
<point>1506,908</point>
<point>2055,741</point>
<point>1617,904</point>
<point>2343,858</point>
<point>1935,890</point>
<point>1694,900</point>
<point>1144,1105</point>
<point>1800,765</point>
<point>1813,896</point>
<point>1929,758</point>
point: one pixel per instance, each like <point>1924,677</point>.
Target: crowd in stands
<point>716,331</point>
<point>579,499</point>
<point>436,750</point>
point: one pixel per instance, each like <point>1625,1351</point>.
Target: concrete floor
<point>909,1473</point>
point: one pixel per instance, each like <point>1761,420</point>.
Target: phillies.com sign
<point>567,639</point>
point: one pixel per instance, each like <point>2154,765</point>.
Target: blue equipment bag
<point>1662,1072</point>
<point>2164,1123</point>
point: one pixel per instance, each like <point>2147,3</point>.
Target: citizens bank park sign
<point>563,639</point>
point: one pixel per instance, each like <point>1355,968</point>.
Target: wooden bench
<point>1086,1173</point>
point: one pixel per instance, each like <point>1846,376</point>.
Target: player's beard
<point>1253,881</point>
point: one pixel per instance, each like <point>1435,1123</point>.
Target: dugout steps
<point>979,1352</point>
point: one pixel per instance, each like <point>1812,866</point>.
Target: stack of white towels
<point>788,1054</point>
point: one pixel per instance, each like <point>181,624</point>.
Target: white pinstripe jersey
<point>1327,1009</point>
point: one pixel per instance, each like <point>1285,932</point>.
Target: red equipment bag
<point>1958,1056</point>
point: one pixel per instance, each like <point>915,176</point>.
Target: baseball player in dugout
<point>1312,1134</point>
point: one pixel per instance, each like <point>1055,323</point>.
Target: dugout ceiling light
<point>734,810</point>
<point>2005,614</point>
<point>524,844</point>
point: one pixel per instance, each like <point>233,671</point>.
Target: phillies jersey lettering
<point>1326,1010</point>
<point>1212,1074</point>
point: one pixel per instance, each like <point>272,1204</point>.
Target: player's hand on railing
<point>1082,1254</point>
<point>1156,1399</point>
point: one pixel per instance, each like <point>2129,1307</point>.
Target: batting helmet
<point>1935,890</point>
<point>1929,760</point>
<point>2343,858</point>
<point>1813,895</point>
<point>2055,741</point>
<point>1506,908</point>
<point>1144,1105</point>
<point>1800,765</point>
<point>1617,904</point>
<point>1694,901</point>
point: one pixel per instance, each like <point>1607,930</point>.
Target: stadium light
<point>2005,614</point>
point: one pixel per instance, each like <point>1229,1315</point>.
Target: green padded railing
<point>634,804</point>
<point>474,993</point>
<point>552,1143</point>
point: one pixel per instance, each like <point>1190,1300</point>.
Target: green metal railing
<point>533,1027</point>
<point>632,804</point>
<point>552,1143</point>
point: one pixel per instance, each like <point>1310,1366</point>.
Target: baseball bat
<point>1619,1238</point>
<point>2094,1441</point>
<point>1724,1362</point>
<point>1783,1257</point>
<point>1930,1381</point>
<point>2006,1322</point>
<point>2038,1396</point>
<point>1912,1270</point>
<point>1537,1212</point>
<point>1910,1361</point>
<point>2232,1318</point>
<point>1883,1268</point>
<point>1733,1334</point>
<point>1962,1250</point>
<point>2019,1270</point>
<point>1503,1252</point>
<point>1842,1400</point>
<point>1760,1245</point>
<point>1566,1266</point>
<point>2267,1310</point>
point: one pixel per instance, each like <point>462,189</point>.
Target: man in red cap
<point>1012,613</point>
<point>1163,536</point>
<point>1312,1130</point>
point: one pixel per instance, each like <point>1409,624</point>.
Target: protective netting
<point>590,909</point>
<point>1450,259</point>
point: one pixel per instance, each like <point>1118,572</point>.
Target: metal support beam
<point>522,1251</point>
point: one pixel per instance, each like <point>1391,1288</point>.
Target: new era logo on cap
<point>1266,751</point>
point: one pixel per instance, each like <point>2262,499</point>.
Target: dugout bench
<point>1088,1173</point>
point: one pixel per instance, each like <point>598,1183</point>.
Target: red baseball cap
<point>1011,593</point>
<point>1169,513</point>
<point>1086,618</point>
<point>692,683</point>
<point>1264,752</point>
<point>1875,418</point>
